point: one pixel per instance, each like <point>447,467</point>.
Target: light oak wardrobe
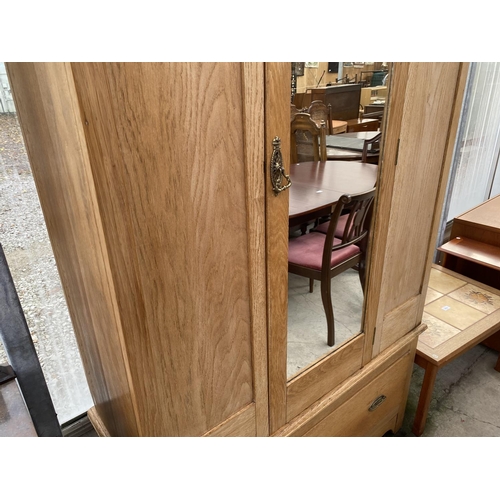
<point>172,246</point>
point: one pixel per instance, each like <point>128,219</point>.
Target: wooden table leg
<point>424,400</point>
<point>497,367</point>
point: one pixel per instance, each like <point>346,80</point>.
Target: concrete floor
<point>466,397</point>
<point>307,321</point>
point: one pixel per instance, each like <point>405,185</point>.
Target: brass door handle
<point>277,169</point>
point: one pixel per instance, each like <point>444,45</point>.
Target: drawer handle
<point>377,403</point>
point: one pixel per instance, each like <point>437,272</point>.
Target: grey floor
<point>466,397</point>
<point>307,320</point>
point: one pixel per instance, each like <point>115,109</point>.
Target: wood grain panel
<point>168,163</point>
<point>399,321</point>
<point>323,377</point>
<point>354,418</point>
<point>423,138</point>
<point>473,250</point>
<point>377,245</point>
<point>97,423</point>
<point>455,116</point>
<point>333,400</point>
<point>48,113</point>
<point>253,116</point>
<point>241,424</point>
<point>419,130</point>
<point>481,222</point>
<point>277,122</point>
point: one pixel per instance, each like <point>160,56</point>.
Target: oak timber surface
<point>354,417</point>
<point>277,121</point>
<point>418,124</point>
<point>474,251</point>
<point>420,156</point>
<point>160,156</point>
<point>481,223</point>
<point>253,113</point>
<point>49,116</point>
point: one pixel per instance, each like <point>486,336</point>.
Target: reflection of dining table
<point>349,146</point>
<point>316,185</point>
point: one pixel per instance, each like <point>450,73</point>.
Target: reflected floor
<point>307,321</point>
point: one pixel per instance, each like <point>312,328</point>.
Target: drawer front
<point>378,402</point>
<point>363,127</point>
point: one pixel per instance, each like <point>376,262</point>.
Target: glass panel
<point>478,152</point>
<point>25,241</point>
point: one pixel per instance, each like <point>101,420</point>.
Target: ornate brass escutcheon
<point>277,169</point>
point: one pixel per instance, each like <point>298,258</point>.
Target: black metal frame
<point>16,338</point>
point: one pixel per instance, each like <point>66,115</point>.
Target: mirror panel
<point>354,94</point>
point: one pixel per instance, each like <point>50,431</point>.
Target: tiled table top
<point>458,311</point>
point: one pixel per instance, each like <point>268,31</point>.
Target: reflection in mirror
<point>336,132</point>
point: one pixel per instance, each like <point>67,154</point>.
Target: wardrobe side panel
<point>49,116</point>
<point>166,143</point>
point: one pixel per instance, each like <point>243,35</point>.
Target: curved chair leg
<point>326,297</point>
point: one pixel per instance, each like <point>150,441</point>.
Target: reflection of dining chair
<point>320,256</point>
<point>308,140</point>
<point>293,111</point>
<point>371,146</point>
<point>319,112</point>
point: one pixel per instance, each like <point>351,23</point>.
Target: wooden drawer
<point>366,125</point>
<point>358,417</point>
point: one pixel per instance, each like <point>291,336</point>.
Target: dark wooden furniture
<point>350,146</point>
<point>371,147</point>
<point>344,99</point>
<point>373,108</point>
<point>338,127</point>
<point>307,139</point>
<point>362,124</point>
<point>320,112</point>
<point>318,185</point>
<point>459,313</point>
<point>321,257</point>
<point>302,99</point>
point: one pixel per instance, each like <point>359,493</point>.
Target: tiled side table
<point>460,313</point>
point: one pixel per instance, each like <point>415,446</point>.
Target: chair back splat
<point>319,112</point>
<point>308,140</point>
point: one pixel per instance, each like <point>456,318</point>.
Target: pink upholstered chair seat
<point>307,251</point>
<point>339,230</point>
